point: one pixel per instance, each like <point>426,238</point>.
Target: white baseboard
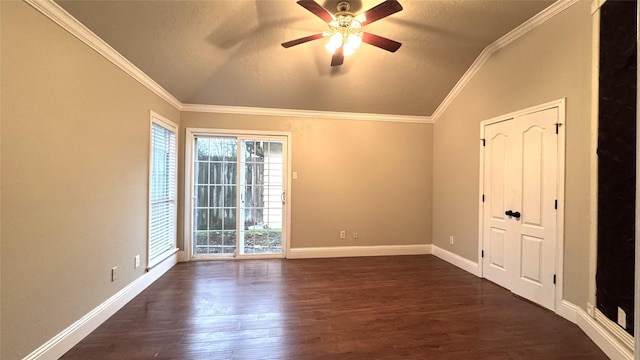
<point>568,311</point>
<point>457,260</point>
<point>69,337</point>
<point>606,341</point>
<point>355,251</point>
<point>614,329</point>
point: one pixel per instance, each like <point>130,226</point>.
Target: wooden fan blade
<point>338,57</point>
<point>380,11</point>
<point>302,40</point>
<point>381,42</point>
<point>316,9</point>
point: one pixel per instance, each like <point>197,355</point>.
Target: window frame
<point>172,127</point>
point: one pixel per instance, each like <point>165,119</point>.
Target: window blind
<point>162,192</point>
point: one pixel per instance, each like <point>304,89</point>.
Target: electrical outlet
<point>136,261</point>
<point>355,235</point>
<point>343,234</point>
<point>591,310</point>
<point>451,240</point>
<point>622,318</point>
<point>114,273</point>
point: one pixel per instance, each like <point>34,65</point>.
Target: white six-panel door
<point>520,178</point>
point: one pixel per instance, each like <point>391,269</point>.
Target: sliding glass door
<point>215,193</point>
<point>261,197</point>
<point>238,195</point>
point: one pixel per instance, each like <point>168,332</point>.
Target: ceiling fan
<point>345,28</point>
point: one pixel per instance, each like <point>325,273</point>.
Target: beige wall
<point>74,158</point>
<point>364,176</point>
<point>551,62</point>
<point>74,150</point>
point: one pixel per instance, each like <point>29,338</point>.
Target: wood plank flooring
<point>403,307</point>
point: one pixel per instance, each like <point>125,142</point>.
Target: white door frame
<point>560,104</point>
<point>190,135</point>
<point>636,311</point>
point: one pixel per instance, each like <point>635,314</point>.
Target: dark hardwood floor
<point>404,307</point>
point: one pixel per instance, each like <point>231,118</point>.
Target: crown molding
<point>539,19</point>
<point>240,110</point>
<point>61,17</point>
<point>65,20</point>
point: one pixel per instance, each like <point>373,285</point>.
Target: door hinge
<point>482,197</point>
<point>482,253</point>
<point>556,205</point>
<point>558,127</point>
<point>554,279</point>
<point>483,142</point>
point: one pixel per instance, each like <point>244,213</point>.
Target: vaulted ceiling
<point>228,52</point>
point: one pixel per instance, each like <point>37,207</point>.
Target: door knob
<point>515,214</point>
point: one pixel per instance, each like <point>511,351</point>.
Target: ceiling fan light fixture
<point>350,44</point>
<point>353,42</point>
<point>335,42</point>
<point>345,28</point>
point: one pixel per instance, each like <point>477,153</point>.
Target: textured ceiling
<point>228,52</point>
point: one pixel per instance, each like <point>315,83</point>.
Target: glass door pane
<point>261,197</point>
<point>215,196</point>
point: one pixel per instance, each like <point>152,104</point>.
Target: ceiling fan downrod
<point>344,18</point>
<point>343,6</point>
